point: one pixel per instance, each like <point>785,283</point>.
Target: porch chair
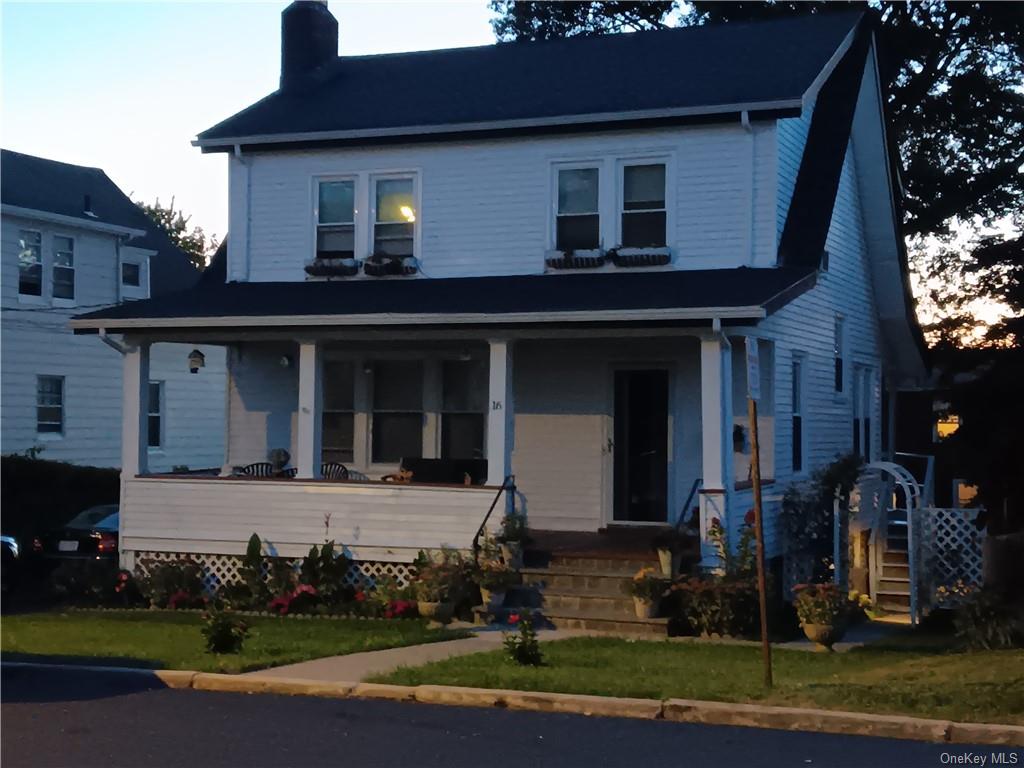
<point>332,470</point>
<point>259,469</point>
<point>290,472</point>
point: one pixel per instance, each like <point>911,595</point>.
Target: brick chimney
<point>309,39</point>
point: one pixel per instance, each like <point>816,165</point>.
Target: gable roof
<point>745,293</point>
<point>35,183</point>
<point>764,68</point>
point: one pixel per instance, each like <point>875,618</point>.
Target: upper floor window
<point>30,263</point>
<point>131,275</point>
<point>63,267</point>
<point>335,220</point>
<point>50,405</point>
<point>155,422</point>
<point>394,219</point>
<point>643,206</point>
<point>338,434</point>
<point>578,220</point>
<point>839,344</point>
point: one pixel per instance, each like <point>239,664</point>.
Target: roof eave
<point>71,221</point>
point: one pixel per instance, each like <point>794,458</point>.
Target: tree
<point>953,74</point>
<point>192,240</point>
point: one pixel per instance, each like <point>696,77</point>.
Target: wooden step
<point>895,558</point>
<point>894,586</point>
<point>892,601</point>
<point>895,570</point>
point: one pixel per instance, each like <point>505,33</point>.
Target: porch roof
<point>745,294</point>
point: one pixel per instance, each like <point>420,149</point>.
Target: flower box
<point>333,268</point>
<point>640,257</point>
<point>590,259</point>
<point>383,266</point>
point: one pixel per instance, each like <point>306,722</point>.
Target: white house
<point>72,242</point>
<point>548,256</point>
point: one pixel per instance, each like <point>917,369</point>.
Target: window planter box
<point>574,259</point>
<point>641,257</point>
<point>381,266</point>
<point>333,268</point>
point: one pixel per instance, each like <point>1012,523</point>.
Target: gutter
<point>114,345</point>
<point>70,221</point>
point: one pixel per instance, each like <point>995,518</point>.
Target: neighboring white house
<point>548,256</point>
<point>72,242</point>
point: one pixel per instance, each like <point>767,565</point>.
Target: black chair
<point>332,470</point>
<point>259,469</point>
<point>449,471</point>
<point>290,472</point>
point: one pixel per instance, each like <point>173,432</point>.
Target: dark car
<point>8,562</point>
<point>91,534</point>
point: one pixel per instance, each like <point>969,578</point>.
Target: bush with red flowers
<point>176,584</point>
<point>522,646</point>
<point>401,609</point>
<point>302,599</point>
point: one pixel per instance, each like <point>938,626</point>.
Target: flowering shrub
<point>820,603</point>
<point>445,577</point>
<point>177,584</point>
<point>717,605</point>
<point>223,632</point>
<point>326,570</point>
<point>495,576</point>
<point>401,609</point>
<point>648,584</point>
<point>983,621</point>
<point>299,600</point>
<point>522,647</point>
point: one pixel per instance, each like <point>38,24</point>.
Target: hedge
<point>38,495</point>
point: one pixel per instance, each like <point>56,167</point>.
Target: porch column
<point>716,439</point>
<point>135,411</point>
<point>310,410</point>
<point>500,412</point>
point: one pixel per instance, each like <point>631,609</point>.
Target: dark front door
<point>641,446</point>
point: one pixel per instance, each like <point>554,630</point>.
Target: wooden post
<point>762,585</point>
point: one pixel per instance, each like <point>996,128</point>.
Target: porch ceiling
<point>744,294</point>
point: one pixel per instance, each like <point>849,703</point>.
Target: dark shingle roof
<point>493,296</point>
<point>39,184</point>
<point>703,69</point>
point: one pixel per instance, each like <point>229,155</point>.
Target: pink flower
<point>513,618</point>
<point>360,596</point>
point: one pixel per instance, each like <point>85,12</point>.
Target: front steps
<point>893,587</point>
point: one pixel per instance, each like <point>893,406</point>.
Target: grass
<point>980,686</point>
<point>169,640</point>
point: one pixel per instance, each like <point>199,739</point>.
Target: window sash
<point>797,416</point>
<point>30,263</point>
<point>838,344</point>
<point>131,275</point>
<point>397,428</point>
<point>50,404</point>
<point>154,415</point>
<point>337,433</point>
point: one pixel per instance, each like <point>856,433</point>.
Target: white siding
<point>486,205</point>
<point>263,399</point>
<point>791,139</point>
<point>218,515</point>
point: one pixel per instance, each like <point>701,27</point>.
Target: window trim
<point>596,164</point>
<point>63,301</point>
<point>31,298</point>
<point>620,196</point>
<point>160,414</point>
<point>357,251</point>
<point>370,237</point>
<point>59,434</point>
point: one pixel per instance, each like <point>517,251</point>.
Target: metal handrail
<point>686,505</point>
<point>508,484</point>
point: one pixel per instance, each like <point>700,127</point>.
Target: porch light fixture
<point>196,360</point>
<point>465,356</point>
<point>285,361</point>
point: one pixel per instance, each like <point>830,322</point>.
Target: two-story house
<point>72,242</point>
<point>546,257</point>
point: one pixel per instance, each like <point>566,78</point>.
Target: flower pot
<point>512,554</point>
<point>671,562</point>
<point>440,612</point>
<point>824,635</point>
<point>644,607</point>
<point>492,598</point>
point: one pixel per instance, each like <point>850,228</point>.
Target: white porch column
<point>500,412</point>
<point>716,439</point>
<point>135,411</point>
<point>310,410</point>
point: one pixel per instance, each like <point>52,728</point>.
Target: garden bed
<point>172,640</point>
<point>983,686</point>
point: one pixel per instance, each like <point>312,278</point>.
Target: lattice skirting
<point>951,549</point>
<point>219,570</point>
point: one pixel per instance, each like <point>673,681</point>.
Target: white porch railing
<point>371,521</point>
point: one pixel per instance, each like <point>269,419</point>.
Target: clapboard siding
<point>36,341</point>
<point>791,137</point>
<point>263,398</point>
<point>219,515</point>
<point>486,205</point>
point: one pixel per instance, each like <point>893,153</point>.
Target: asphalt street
<point>82,719</point>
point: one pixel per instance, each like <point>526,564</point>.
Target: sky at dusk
<point>126,86</point>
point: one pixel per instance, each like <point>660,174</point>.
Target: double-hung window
<point>397,411</point>
<point>463,409</point>
<point>839,343</point>
<point>50,405</point>
<point>577,217</point>
<point>154,417</point>
<point>63,267</point>
<point>335,219</point>
<point>394,218</point>
<point>30,263</point>
<point>338,433</point>
<point>797,373</point>
<point>643,206</point>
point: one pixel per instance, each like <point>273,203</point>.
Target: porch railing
<point>507,486</point>
<point>686,505</point>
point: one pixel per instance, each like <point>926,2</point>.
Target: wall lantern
<point>196,360</point>
<point>285,361</point>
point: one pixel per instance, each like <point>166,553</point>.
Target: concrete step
<point>595,622</point>
<point>592,582</point>
<point>608,565</point>
<point>587,603</point>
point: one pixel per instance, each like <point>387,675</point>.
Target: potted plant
<point>821,609</point>
<point>670,543</point>
<point>433,588</point>
<point>511,539</point>
<point>647,589</point>
<point>494,578</point>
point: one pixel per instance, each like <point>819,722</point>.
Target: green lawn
<point>169,640</point>
<point>982,687</point>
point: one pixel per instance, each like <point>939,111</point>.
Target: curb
<point>674,710</point>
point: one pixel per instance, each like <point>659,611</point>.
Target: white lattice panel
<point>219,570</point>
<point>952,548</point>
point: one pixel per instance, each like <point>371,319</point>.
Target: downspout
<point>745,122</point>
<point>725,420</point>
<point>247,164</point>
<point>117,346</point>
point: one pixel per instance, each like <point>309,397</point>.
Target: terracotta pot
<point>824,635</point>
<point>512,554</point>
<point>440,612</point>
<point>493,598</point>
<point>645,608</point>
